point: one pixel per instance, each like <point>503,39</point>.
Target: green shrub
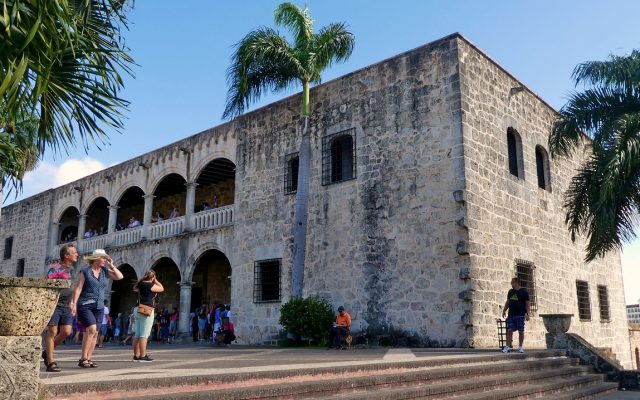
<point>309,318</point>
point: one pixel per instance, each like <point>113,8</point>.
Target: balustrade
<point>127,236</point>
<point>90,244</point>
<point>213,218</point>
<point>167,228</point>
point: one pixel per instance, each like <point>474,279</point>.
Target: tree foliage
<point>603,199</point>
<point>311,317</point>
<point>60,64</point>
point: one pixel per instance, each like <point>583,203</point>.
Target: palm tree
<point>264,60</point>
<point>60,61</point>
<point>603,199</point>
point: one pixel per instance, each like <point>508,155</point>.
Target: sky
<point>183,50</point>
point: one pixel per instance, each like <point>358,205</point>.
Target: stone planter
<point>557,323</point>
<point>27,304</point>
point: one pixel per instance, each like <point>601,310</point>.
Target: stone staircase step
<point>588,392</point>
<point>441,382</point>
<point>517,386</point>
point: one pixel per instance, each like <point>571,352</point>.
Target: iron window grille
<point>8,247</point>
<point>291,164</point>
<point>584,303</point>
<point>525,271</point>
<point>266,281</point>
<point>603,299</point>
<point>339,157</point>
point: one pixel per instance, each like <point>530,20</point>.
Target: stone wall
<point>509,218</point>
<point>384,243</point>
<point>634,341</point>
<point>27,222</point>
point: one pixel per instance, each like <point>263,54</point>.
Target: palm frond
<point>297,20</point>
<point>263,60</point>
<point>622,72</point>
<point>334,43</point>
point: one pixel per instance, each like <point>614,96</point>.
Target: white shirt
<point>104,316</point>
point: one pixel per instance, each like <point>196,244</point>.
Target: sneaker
<point>145,359</point>
<point>136,359</point>
<point>520,350</point>
<point>506,349</point>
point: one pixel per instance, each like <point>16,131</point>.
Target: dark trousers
<point>336,335</point>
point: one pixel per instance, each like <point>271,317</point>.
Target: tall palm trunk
<point>302,202</point>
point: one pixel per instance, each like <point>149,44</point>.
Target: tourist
<point>202,322</point>
<point>88,234</point>
<point>117,327</point>
<point>174,213</point>
<point>217,314</point>
<point>131,323</point>
<point>88,300</point>
<point>206,206</point>
<point>164,325</point>
<point>104,325</point>
<point>61,322</point>
<point>147,288</point>
<point>518,305</point>
<point>173,324</point>
<point>340,328</point>
<point>215,201</point>
<point>157,217</point>
<point>133,223</point>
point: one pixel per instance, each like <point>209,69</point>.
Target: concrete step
<point>595,391</point>
<point>440,382</point>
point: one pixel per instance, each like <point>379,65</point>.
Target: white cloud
<point>49,175</point>
<point>631,271</point>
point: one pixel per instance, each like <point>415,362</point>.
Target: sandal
<point>84,363</point>
<point>92,364</point>
<point>53,367</point>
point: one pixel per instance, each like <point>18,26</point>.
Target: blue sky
<point>183,50</point>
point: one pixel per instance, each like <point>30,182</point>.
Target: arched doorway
<point>168,273</point>
<point>216,185</point>
<point>68,225</point>
<point>123,296</point>
<point>170,195</point>
<point>97,217</point>
<point>131,206</point>
<point>212,280</point>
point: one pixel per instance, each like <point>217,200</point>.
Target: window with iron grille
<point>584,303</point>
<point>8,247</point>
<point>266,281</point>
<point>603,299</point>
<point>20,268</point>
<point>525,271</point>
<point>291,164</point>
<point>339,157</point>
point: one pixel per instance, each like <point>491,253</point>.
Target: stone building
<point>430,188</point>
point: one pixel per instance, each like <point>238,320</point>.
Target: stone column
<point>55,232</point>
<point>82,227</point>
<point>148,213</point>
<point>185,308</point>
<point>191,205</point>
<point>113,219</point>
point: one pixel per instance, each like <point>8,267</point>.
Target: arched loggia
<point>168,273</point>
<point>97,217</point>
<point>131,207</point>
<point>212,280</point>
<point>123,298</point>
<point>216,185</point>
<point>68,231</point>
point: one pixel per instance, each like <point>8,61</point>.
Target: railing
<point>90,244</point>
<point>127,236</point>
<point>166,228</point>
<point>213,218</point>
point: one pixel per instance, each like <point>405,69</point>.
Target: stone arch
<point>157,256</point>
<point>90,199</point>
<point>216,183</point>
<point>122,295</point>
<point>169,274</point>
<point>122,190</point>
<point>204,161</point>
<point>62,208</point>
<point>161,174</point>
<point>194,257</point>
<point>211,278</point>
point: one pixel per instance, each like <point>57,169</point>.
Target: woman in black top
<point>147,287</point>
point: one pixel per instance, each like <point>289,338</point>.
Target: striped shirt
<point>93,289</point>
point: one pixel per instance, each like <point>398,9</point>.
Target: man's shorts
<point>103,330</point>
<point>515,323</point>
<point>61,316</point>
<point>90,315</point>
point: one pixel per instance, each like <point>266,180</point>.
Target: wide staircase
<point>489,376</point>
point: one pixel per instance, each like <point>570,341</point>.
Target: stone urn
<point>27,304</point>
<point>556,323</point>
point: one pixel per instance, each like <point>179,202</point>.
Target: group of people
<point>213,324</point>
<point>86,302</point>
<point>95,232</point>
<point>207,206</point>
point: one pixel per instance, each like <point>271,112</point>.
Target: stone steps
<point>473,378</point>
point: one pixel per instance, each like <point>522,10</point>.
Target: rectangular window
<point>603,299</point>
<point>525,271</point>
<point>266,281</point>
<point>339,157</point>
<point>20,268</point>
<point>584,304</point>
<point>291,165</point>
<point>8,247</point>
